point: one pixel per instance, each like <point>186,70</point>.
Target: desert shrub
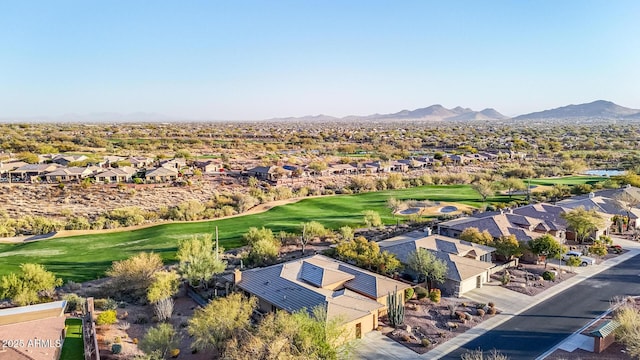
<point>405,338</point>
<point>491,304</point>
<point>426,342</point>
<point>480,306</point>
<point>492,311</point>
<point>135,341</point>
<point>107,317</point>
<point>105,304</point>
<point>434,295</point>
<point>480,312</point>
<point>379,328</point>
<point>421,292</point>
<point>468,316</point>
<point>506,278</point>
<point>117,340</point>
<point>116,348</point>
<point>124,326</point>
<point>452,325</point>
<point>548,275</point>
<point>74,302</point>
<point>408,294</point>
<point>460,315</point>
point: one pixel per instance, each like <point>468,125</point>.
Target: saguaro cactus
<point>395,308</point>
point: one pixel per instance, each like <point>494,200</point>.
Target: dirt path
<point>64,233</point>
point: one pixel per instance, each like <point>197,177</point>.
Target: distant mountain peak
<point>599,109</point>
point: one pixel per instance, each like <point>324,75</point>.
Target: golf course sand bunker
<point>448,209</point>
<point>433,209</point>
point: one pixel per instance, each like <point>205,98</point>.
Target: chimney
<point>628,186</point>
<point>428,231</point>
<point>237,276</point>
<point>591,195</point>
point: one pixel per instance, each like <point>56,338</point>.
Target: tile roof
<point>599,204</point>
<point>499,225</point>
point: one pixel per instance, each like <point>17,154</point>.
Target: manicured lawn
<point>73,348</point>
<point>86,257</point>
<point>569,180</point>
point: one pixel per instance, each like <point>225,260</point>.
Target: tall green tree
<point>264,246</point>
<point>427,266</point>
<point>547,246</point>
<point>367,254</point>
<point>484,188</point>
<point>583,221</point>
<point>132,277</point>
<point>513,184</point>
<point>199,262</point>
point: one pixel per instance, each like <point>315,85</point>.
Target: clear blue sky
<point>260,59</point>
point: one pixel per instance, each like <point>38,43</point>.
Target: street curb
<point>436,354</point>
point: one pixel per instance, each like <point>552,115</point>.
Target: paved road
<point>538,329</point>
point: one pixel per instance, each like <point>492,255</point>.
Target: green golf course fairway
<point>86,257</point>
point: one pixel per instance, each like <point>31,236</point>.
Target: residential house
<point>176,163</point>
<point>608,208</point>
<point>356,296</point>
<point>524,228</point>
<point>161,174</point>
<point>116,175</point>
<point>377,167</point>
<point>210,166</point>
<point>140,162</point>
<point>75,173</point>
<point>6,167</point>
<point>468,264</point>
<point>551,215</point>
<point>399,166</point>
<point>342,169</point>
<point>269,173</point>
<point>110,160</point>
<point>31,172</point>
<point>415,164</point>
<point>65,160</point>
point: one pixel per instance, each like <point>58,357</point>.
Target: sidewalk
<point>512,303</point>
<point>374,345</point>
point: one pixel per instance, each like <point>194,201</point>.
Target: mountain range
<point>597,110</point>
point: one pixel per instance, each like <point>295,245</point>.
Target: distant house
<point>413,163</point>
<point>552,217</point>
<point>110,160</point>
<point>209,166</point>
<point>399,166</point>
<point>6,167</point>
<point>342,169</point>
<point>607,207</point>
<point>30,172</point>
<point>161,174</point>
<point>269,173</point>
<point>176,163</point>
<point>468,264</point>
<point>116,175</point>
<point>70,174</point>
<point>524,228</point>
<point>140,162</point>
<point>65,160</point>
<point>356,296</point>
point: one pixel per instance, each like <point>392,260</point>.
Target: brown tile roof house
<point>606,206</point>
<point>122,174</point>
<point>31,171</point>
<point>34,332</point>
<point>468,264</point>
<point>161,174</point>
<point>356,296</point>
<point>71,173</point>
<point>524,228</point>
